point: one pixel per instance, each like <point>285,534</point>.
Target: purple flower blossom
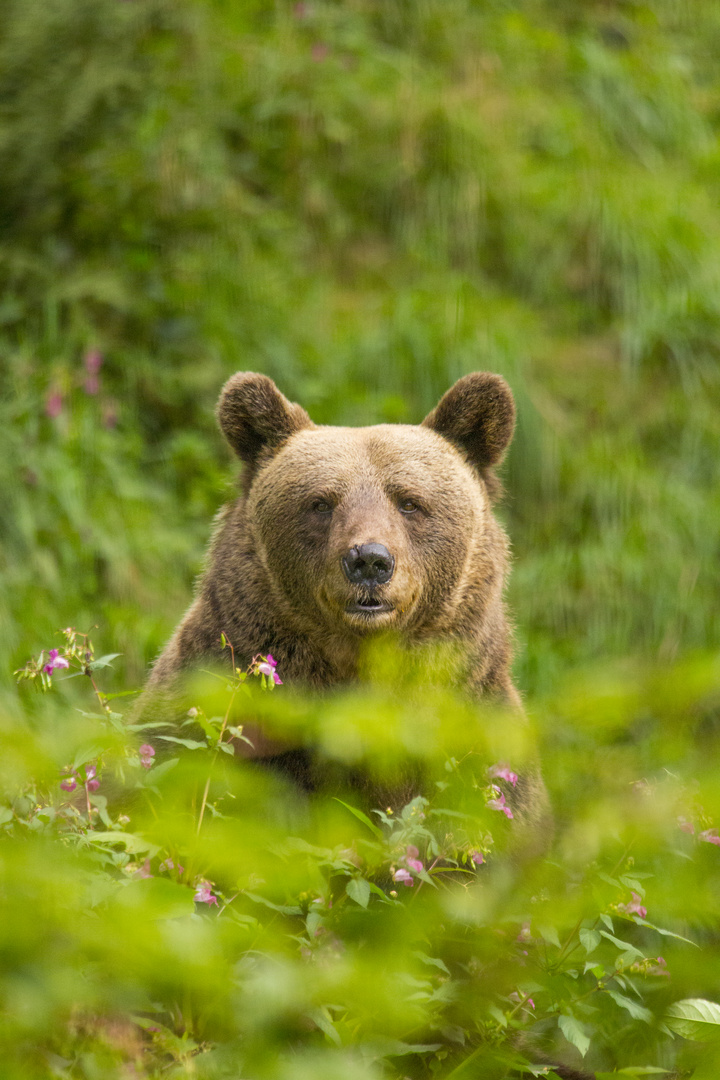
<point>403,875</point>
<point>147,753</point>
<point>504,772</point>
<point>55,661</point>
<point>93,361</point>
<point>477,857</point>
<point>69,784</point>
<point>54,404</point>
<point>635,907</point>
<point>203,895</point>
<point>168,865</point>
<point>710,836</point>
<point>685,825</point>
<point>267,668</point>
<point>143,871</point>
<point>498,803</point>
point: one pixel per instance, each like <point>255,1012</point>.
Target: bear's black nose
<point>368,564</point>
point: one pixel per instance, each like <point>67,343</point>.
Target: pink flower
<point>404,876</point>
<point>411,858</point>
<point>685,825</point>
<point>635,906</point>
<point>168,865</point>
<point>55,661</point>
<point>477,857</point>
<point>54,404</point>
<point>521,1000</point>
<point>143,871</point>
<point>710,836</point>
<point>68,785</point>
<point>93,361</point>
<point>504,772</point>
<point>267,668</point>
<point>203,894</point>
<point>93,785</point>
<point>499,803</point>
<point>147,753</point>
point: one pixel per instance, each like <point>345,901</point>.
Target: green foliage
<point>195,916</point>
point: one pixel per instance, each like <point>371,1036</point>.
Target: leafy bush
<point>204,918</point>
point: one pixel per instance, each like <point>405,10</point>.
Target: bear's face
<point>364,529</point>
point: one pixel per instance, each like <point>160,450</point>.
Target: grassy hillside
<point>364,200</point>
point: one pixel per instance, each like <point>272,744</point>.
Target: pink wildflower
<point>168,865</point>
<point>69,784</point>
<point>710,836</point>
<point>267,668</point>
<point>477,857</point>
<point>93,361</point>
<point>504,772</point>
<point>203,894</point>
<point>404,876</point>
<point>685,825</point>
<point>635,907</point>
<point>55,661</point>
<point>411,858</point>
<point>147,753</point>
<point>54,404</point>
<point>143,871</point>
<point>499,803</point>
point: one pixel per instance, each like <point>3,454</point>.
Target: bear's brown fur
<point>275,581</point>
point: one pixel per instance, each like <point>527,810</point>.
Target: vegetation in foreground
<point>190,914</point>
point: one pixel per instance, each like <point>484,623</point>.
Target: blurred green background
<point>364,200</point>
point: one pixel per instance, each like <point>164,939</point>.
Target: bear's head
<point>364,529</point>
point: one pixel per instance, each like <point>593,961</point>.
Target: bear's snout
<point>368,565</point>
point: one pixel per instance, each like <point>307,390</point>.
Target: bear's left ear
<point>477,414</point>
<point>255,416</point>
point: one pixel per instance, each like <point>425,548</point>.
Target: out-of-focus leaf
<point>694,1018</point>
<point>358,889</point>
<point>362,817</point>
<point>574,1033</point>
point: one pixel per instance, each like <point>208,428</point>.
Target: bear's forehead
<point>399,452</point>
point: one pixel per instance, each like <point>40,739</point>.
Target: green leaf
<point>358,889</point>
<point>431,960</point>
<point>133,844</point>
<point>574,1033</point>
<point>590,939</point>
<point>362,817</point>
<point>6,815</point>
<point>694,1018</point>
<point>608,922</point>
<point>88,751</point>
<point>549,933</point>
<point>638,1012</point>
<point>626,947</point>
<point>191,744</point>
<point>103,661</point>
<point>156,898</point>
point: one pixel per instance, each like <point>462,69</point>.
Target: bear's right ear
<point>254,415</point>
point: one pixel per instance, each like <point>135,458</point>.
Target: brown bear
<point>341,533</point>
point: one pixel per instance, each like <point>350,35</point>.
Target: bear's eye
<point>321,506</point>
<point>407,506</point>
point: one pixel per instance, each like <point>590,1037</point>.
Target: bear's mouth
<point>368,606</point>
